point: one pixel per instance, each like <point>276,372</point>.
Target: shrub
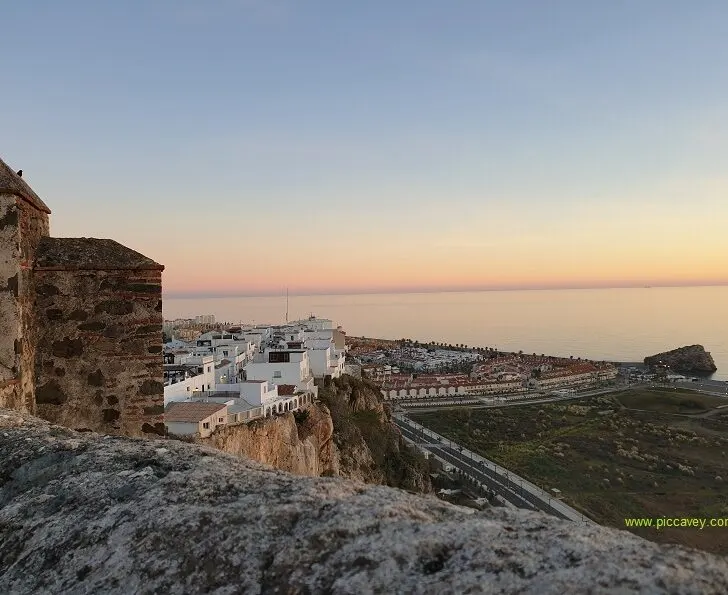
<point>691,404</point>
<point>301,416</point>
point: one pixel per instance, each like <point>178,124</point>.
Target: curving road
<point>511,487</point>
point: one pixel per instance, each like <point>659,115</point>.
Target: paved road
<point>717,388</point>
<point>451,456</point>
<point>511,487</point>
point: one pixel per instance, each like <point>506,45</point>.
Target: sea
<point>624,325</point>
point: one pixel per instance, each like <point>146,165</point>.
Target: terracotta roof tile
<point>191,412</point>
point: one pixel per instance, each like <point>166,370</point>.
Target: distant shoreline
<point>641,364</point>
<point>193,296</point>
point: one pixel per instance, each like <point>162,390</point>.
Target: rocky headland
<point>84,513</point>
<point>692,359</point>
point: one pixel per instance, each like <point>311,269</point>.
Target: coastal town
<point>222,373</point>
<point>408,371</point>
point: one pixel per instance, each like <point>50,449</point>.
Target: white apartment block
<point>255,371</point>
<point>279,366</point>
<point>325,359</point>
<point>178,388</point>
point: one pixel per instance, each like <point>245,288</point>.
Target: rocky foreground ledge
<point>83,513</point>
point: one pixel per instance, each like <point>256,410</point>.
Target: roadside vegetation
<point>637,453</point>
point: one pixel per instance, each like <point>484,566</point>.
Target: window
<point>277,357</point>
<point>224,352</point>
<point>277,374</point>
<point>206,425</point>
<point>209,368</point>
<point>220,420</point>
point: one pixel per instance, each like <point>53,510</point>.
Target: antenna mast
<point>286,305</point>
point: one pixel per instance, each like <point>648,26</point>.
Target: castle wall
<point>34,225</point>
<point>21,227</point>
<point>10,395</point>
<point>99,359</point>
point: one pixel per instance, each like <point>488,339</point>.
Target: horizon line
<point>645,285</point>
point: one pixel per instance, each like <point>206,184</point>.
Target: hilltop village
<point>235,374</point>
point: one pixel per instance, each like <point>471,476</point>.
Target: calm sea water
<point>610,324</point>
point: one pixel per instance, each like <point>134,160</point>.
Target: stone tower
<point>80,323</point>
<point>23,222</point>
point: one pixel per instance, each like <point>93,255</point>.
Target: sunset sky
<point>329,146</point>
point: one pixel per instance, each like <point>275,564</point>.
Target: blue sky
<point>394,145</point>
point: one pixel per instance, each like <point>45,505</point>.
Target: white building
<point>315,324</point>
<point>279,366</point>
<point>255,392</point>
<point>179,388</point>
<point>326,360</point>
<point>205,319</point>
<point>250,363</point>
<point>251,400</point>
<point>194,419</point>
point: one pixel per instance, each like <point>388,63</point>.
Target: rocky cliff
<point>83,513</point>
<point>305,447</point>
<point>370,447</point>
<point>692,359</point>
<point>347,434</point>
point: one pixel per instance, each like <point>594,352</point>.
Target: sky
<point>359,147</point>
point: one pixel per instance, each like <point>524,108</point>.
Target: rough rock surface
<point>688,360</point>
<point>305,449</point>
<point>370,447</point>
<point>82,513</point>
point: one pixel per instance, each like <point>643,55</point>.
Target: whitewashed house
<point>326,360</point>
<point>181,388</point>
<point>282,366</point>
<point>194,419</point>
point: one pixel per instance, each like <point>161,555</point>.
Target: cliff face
<point>83,513</point>
<point>370,447</point>
<point>348,434</point>
<point>688,360</point>
<point>305,449</point>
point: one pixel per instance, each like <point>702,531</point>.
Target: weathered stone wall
<point>99,360</point>
<point>21,227</point>
<point>10,396</point>
<point>34,225</point>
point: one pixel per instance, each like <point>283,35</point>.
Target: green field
<point>637,453</point>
